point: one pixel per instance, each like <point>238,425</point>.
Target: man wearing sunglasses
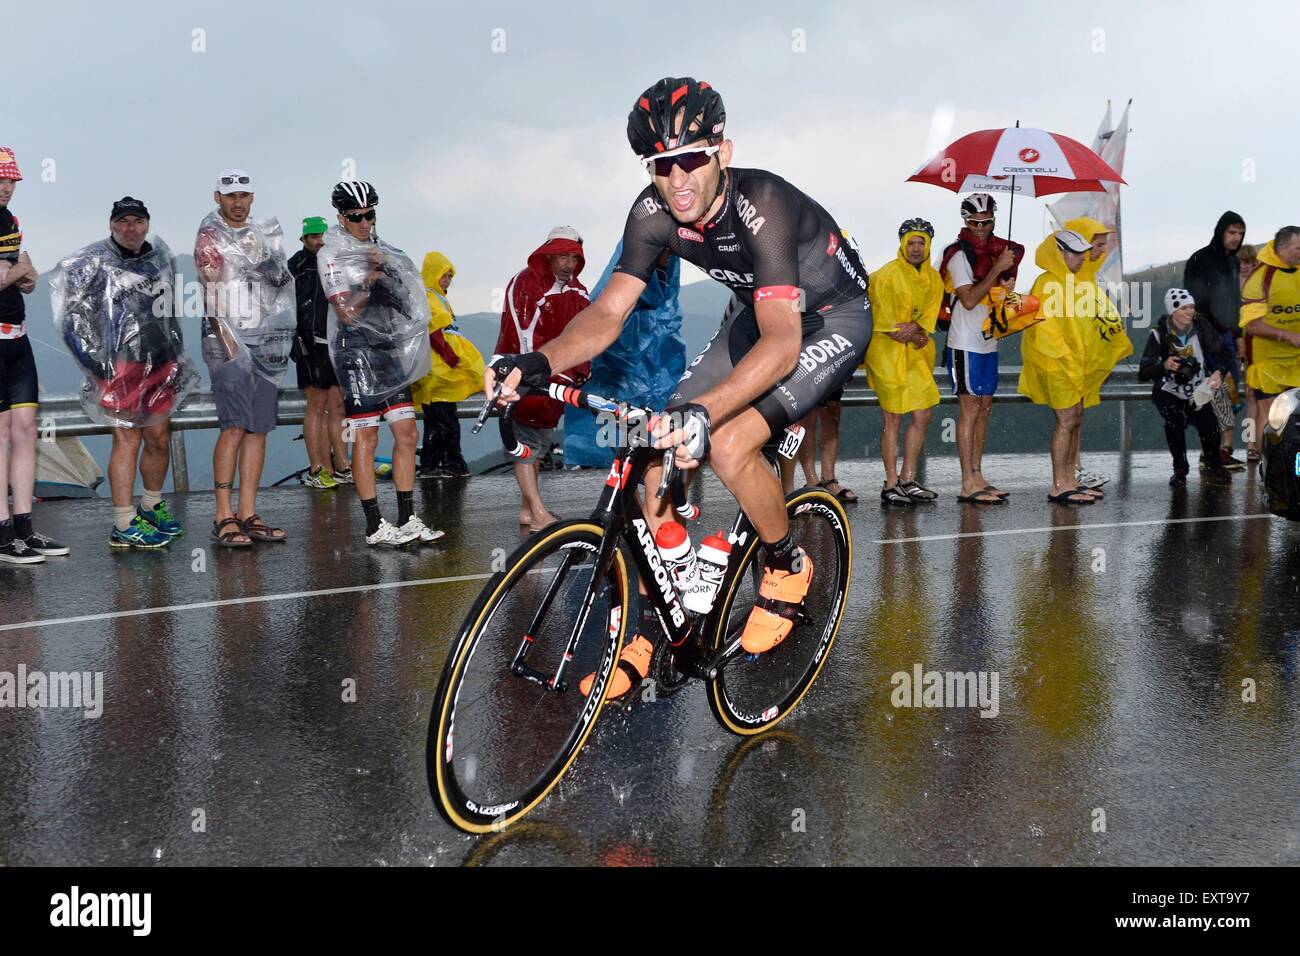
<point>803,327</point>
<point>970,267</point>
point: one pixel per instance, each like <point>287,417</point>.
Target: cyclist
<point>804,327</point>
<point>380,327</point>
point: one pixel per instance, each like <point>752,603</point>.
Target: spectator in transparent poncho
<point>379,344</point>
<point>248,328</point>
<point>115,307</point>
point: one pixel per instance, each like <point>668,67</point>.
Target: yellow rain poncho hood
<point>444,383</point>
<point>1272,293</point>
<point>903,376</point>
<point>1105,340</point>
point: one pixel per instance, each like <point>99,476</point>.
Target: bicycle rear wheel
<point>750,695</point>
<point>499,737</point>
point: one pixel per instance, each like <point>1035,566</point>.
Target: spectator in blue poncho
<point>641,367</point>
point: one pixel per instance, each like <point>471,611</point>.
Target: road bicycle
<point>509,720</point>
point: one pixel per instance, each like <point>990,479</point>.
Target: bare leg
<point>531,494</point>
<point>225,458</point>
<point>889,447</point>
<point>156,457</point>
<point>121,465</point>
<point>366,440</point>
<point>1067,422</point>
<point>808,450</point>
<point>914,443</point>
<point>970,442</point>
<point>737,461</point>
<point>22,457</point>
<point>830,438</point>
<point>334,424</point>
<point>252,455</point>
<point>406,434</point>
<point>315,429</point>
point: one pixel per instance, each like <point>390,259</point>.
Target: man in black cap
<point>1213,277</point>
<point>130,346</point>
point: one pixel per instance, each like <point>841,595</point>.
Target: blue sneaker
<point>162,519</point>
<point>141,534</point>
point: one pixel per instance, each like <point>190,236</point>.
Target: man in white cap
<point>540,301</point>
<point>246,400</point>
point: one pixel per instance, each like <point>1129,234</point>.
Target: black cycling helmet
<point>650,124</point>
<point>354,194</point>
<point>915,225</point>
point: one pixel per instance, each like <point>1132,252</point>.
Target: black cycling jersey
<point>767,237</point>
<point>12,308</point>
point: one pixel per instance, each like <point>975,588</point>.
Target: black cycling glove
<point>692,419</point>
<point>534,367</point>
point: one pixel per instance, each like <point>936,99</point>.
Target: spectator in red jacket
<point>540,302</point>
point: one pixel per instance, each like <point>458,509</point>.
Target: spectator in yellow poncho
<point>905,297</point>
<point>457,374</point>
<point>1052,355</point>
<point>1105,340</point>
<point>1270,316</point>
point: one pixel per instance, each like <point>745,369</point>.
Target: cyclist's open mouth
<point>683,199</point>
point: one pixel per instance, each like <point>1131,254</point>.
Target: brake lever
<point>487,409</point>
<point>670,467</point>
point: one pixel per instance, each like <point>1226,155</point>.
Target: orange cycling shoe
<point>777,608</point>
<point>633,666</point>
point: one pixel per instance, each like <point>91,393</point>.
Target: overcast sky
<point>484,124</point>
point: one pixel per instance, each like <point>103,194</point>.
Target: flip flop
<point>844,494</point>
<point>1071,496</point>
<point>989,489</point>
<point>981,497</point>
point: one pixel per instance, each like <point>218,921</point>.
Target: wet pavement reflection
<point>1133,692</point>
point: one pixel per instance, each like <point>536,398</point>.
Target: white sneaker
<point>421,530</point>
<point>390,536</point>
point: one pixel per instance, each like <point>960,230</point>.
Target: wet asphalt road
<point>1121,651</point>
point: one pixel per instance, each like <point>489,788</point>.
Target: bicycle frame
<point>619,513</point>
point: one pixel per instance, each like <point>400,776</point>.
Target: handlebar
<point>634,417</point>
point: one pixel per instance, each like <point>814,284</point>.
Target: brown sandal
<point>227,538</point>
<point>259,530</point>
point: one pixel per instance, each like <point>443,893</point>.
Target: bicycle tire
<point>755,714</point>
<point>454,803</point>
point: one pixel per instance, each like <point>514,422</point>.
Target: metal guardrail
<point>63,417</point>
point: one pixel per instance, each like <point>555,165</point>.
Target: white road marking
<point>1066,527</point>
<point>255,599</point>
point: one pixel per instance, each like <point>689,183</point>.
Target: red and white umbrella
<point>1018,160</point>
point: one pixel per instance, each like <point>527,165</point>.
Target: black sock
<point>405,507</point>
<point>780,556</point>
<point>6,531</point>
<point>23,526</point>
<point>371,507</point>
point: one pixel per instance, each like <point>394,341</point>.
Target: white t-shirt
<point>340,273</point>
<point>967,329</point>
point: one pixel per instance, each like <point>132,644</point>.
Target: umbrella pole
<point>1011,211</point>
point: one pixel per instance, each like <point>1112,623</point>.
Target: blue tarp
<point>641,367</point>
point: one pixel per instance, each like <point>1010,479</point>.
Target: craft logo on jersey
<point>749,217</point>
<point>689,235</point>
<point>833,244</point>
<point>1029,155</point>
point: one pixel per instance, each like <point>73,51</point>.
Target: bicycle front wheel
<point>750,695</point>
<point>502,734</point>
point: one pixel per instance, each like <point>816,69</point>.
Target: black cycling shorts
<point>17,374</point>
<point>316,370</point>
<point>834,344</point>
